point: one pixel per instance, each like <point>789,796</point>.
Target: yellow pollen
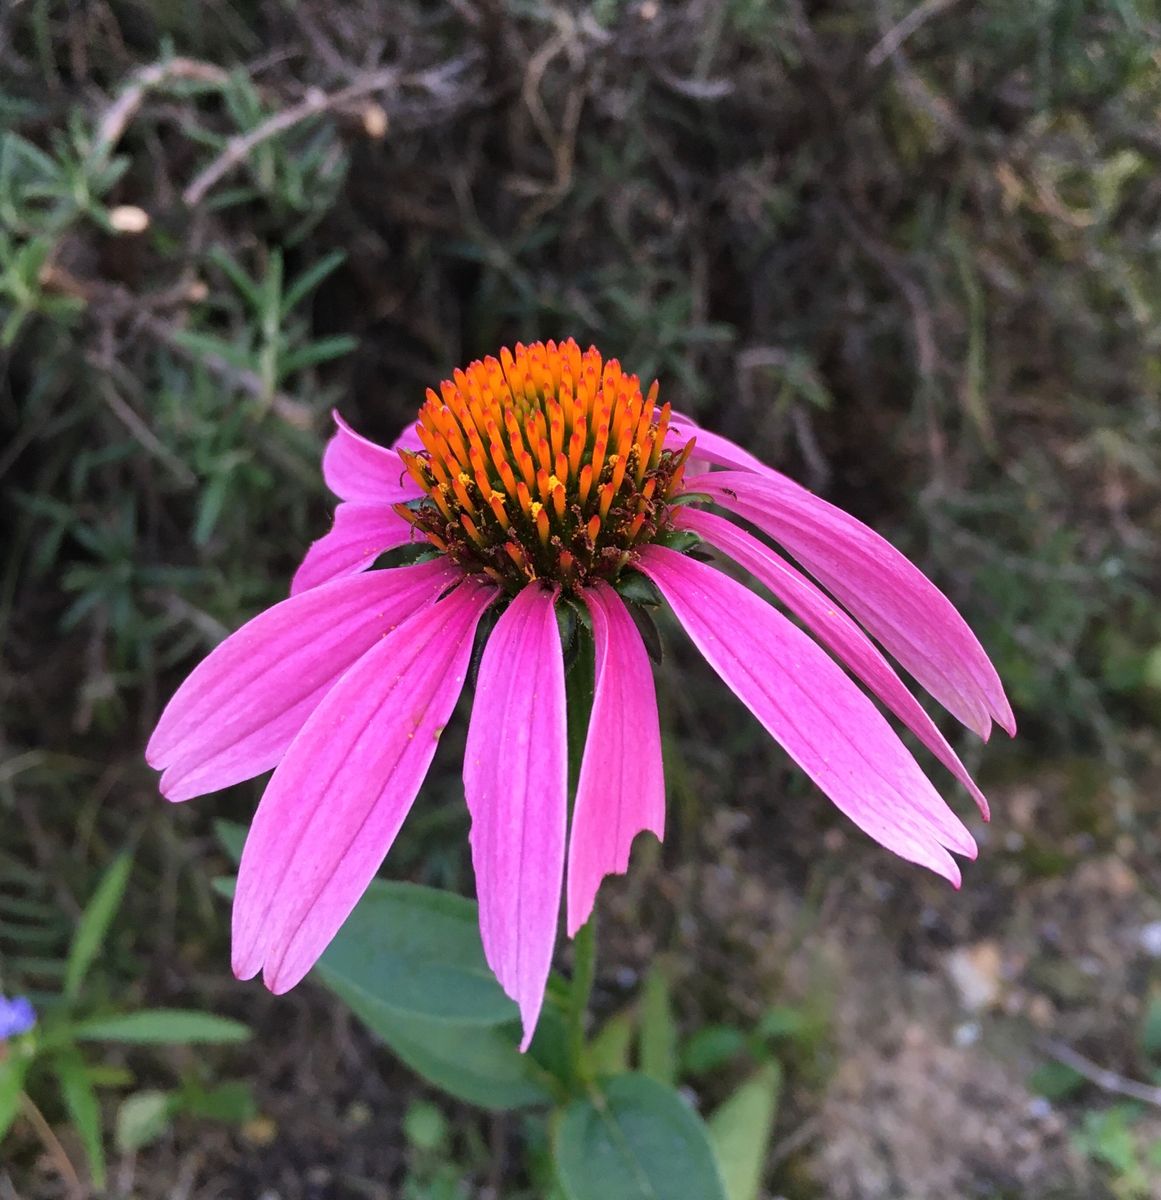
<point>544,463</point>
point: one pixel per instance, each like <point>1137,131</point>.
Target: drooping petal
<point>516,784</point>
<point>361,532</point>
<point>356,468</point>
<point>234,717</point>
<point>337,800</point>
<point>806,702</point>
<point>895,602</point>
<point>621,789</point>
<point>834,629</point>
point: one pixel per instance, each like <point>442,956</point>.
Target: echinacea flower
<point>17,1016</point>
<point>542,479</point>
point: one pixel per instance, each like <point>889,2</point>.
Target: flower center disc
<point>545,464</point>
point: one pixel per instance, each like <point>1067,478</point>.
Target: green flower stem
<point>579,694</point>
<point>584,970</point>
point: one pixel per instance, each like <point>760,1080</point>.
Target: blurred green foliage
<point>56,1051</point>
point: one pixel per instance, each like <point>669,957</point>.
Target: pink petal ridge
<point>337,800</point>
<point>239,710</point>
<point>516,785</point>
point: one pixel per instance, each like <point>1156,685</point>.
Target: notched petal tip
<point>278,980</point>
<point>172,789</point>
<point>245,966</point>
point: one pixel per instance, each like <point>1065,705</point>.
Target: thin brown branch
<point>146,438</point>
<point>890,42</point>
<point>1101,1077</point>
<point>117,116</point>
<point>118,302</point>
<point>238,148</point>
<point>52,1144</point>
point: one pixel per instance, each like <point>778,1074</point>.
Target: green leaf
<point>783,1022</point>
<point>424,1126</point>
<point>638,589</point>
<point>417,951</point>
<point>711,1048</point>
<point>232,1102</point>
<point>237,276</point>
<point>167,1025</point>
<point>207,347</point>
<point>409,948</point>
<point>12,1073</point>
<point>316,352</point>
<point>142,1118</point>
<point>658,1030</point>
<point>609,1051</point>
<point>1151,1028</point>
<point>1055,1080</point>
<point>740,1132</point>
<point>479,1065</point>
<point>1108,1137</point>
<point>232,837</point>
<point>552,1046</point>
<point>94,924</point>
<point>635,1139</point>
<point>84,1111</point>
<point>310,279</point>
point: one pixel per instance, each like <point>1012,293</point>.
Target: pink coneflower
<point>539,480</point>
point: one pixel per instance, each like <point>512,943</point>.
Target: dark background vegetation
<point>909,253</point>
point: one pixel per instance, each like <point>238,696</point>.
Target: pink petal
<point>239,710</point>
<point>896,603</point>
<point>361,532</point>
<point>710,447</point>
<point>621,789</point>
<point>408,440</point>
<point>834,629</point>
<point>806,702</point>
<point>356,468</point>
<point>337,800</point>
<point>516,783</point>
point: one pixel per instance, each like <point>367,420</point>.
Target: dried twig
<point>433,80</point>
<point>146,438</point>
<point>51,1143</point>
<point>899,33</point>
<point>794,1141</point>
<point>118,302</point>
<point>117,116</point>
<point>1102,1077</point>
<point>238,148</point>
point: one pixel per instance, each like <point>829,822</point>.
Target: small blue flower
<point>16,1016</point>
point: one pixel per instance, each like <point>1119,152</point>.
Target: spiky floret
<point>546,463</point>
